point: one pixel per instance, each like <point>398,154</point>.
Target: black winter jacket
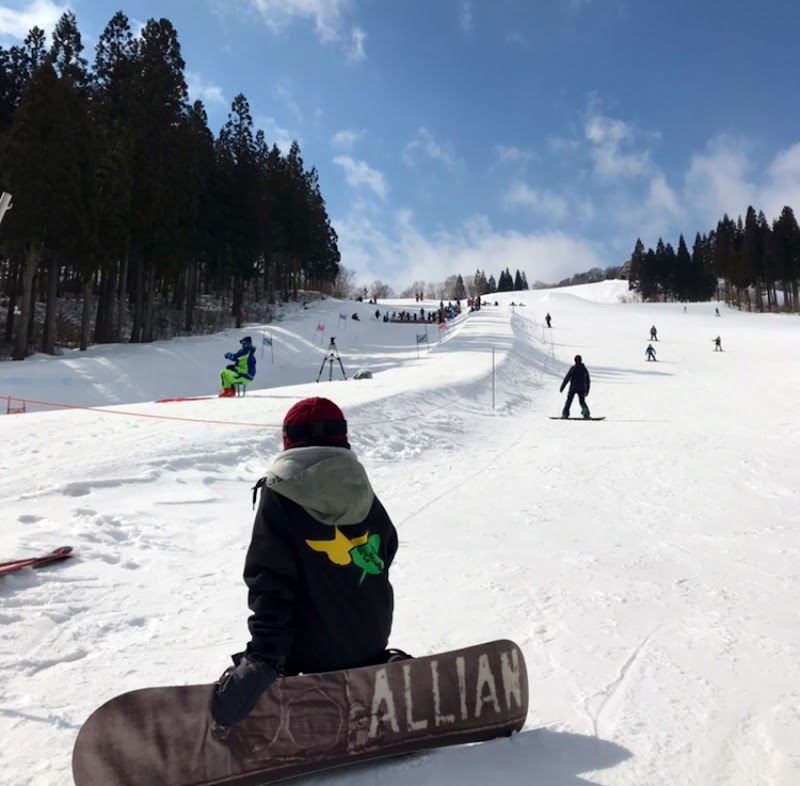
<point>578,380</point>
<point>318,564</point>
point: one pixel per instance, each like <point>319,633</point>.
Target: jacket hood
<point>329,483</point>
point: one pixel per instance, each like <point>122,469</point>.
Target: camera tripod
<point>331,355</point>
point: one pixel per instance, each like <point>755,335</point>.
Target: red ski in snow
<point>183,398</point>
<point>34,562</point>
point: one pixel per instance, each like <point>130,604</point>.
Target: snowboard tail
<point>305,724</point>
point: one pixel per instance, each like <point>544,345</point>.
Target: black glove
<point>228,356</point>
<point>240,688</point>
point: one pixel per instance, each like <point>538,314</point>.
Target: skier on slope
<point>653,333</point>
<point>242,369</point>
<point>717,344</point>
<point>547,319</point>
<point>579,382</point>
<point>318,564</point>
<point>650,353</point>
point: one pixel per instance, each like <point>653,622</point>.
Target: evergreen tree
<point>66,52</point>
<point>115,115</point>
<point>785,246</point>
<point>637,261</point>
<point>683,271</point>
<point>38,169</point>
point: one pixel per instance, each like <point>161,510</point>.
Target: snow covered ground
<point>648,565</point>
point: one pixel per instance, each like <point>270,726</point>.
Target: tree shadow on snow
<point>540,757</point>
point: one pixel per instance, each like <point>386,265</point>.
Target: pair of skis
<point>35,562</point>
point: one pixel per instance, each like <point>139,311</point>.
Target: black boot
<point>393,654</point>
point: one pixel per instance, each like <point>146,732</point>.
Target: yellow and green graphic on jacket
<point>361,551</point>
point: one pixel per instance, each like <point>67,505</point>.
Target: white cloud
<point>465,15</point>
<point>563,145</point>
<point>510,154</point>
<point>424,144</point>
<point>784,184</point>
<point>716,181</point>
<point>545,203</point>
<point>359,173</point>
<point>204,91</point>
<point>724,179</point>
<point>661,197</point>
<point>283,91</point>
<point>275,134</point>
<point>327,15</point>
<point>400,253</point>
<point>137,26</point>
<point>329,18</point>
<point>346,138</point>
<point>38,13</point>
<point>606,137</point>
<point>356,53</point>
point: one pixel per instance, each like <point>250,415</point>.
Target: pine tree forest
<point>126,204</point>
<point>750,264</point>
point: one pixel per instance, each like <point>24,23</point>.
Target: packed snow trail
<point>646,563</point>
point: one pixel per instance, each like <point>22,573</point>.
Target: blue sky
<point>540,135</point>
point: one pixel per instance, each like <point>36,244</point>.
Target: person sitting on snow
<point>241,370</point>
<point>317,569</point>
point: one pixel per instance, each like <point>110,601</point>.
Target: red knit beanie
<point>314,421</point>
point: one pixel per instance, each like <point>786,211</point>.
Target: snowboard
<point>558,417</point>
<point>305,724</point>
<point>35,562</point>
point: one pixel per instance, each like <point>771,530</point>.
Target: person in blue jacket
<point>650,353</point>
<point>242,369</point>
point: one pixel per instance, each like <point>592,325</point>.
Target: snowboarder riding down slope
<point>317,568</point>
<point>650,353</point>
<point>241,370</point>
<point>579,382</point>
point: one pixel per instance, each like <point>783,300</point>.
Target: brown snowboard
<point>306,724</point>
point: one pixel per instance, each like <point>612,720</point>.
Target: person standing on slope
<point>717,344</point>
<point>653,333</point>
<point>317,568</point>
<point>547,319</point>
<point>650,353</point>
<point>579,382</point>
<point>242,369</point>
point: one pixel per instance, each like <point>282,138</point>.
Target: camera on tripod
<point>331,355</point>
